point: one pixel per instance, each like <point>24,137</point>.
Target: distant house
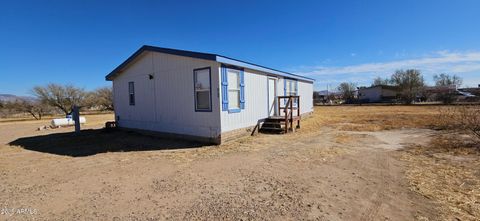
<point>378,94</point>
<point>200,96</point>
<point>326,97</point>
<point>471,90</point>
<point>441,89</point>
<point>436,93</point>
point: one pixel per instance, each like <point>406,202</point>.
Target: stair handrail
<point>288,109</point>
<point>287,113</point>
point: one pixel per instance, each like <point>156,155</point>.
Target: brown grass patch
<point>372,118</point>
<point>344,138</point>
<point>446,171</point>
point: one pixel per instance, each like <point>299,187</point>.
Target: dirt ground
<point>346,163</point>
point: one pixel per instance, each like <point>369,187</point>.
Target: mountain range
<point>11,97</point>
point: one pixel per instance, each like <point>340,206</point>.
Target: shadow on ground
<point>91,142</point>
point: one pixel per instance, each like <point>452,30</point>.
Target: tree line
<point>411,84</point>
<point>55,98</point>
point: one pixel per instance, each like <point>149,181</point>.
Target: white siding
<point>305,90</point>
<point>166,103</point>
<point>256,101</point>
<point>373,94</point>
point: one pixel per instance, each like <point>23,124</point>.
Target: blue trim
<point>233,67</point>
<point>242,90</point>
<point>205,56</point>
<point>235,62</point>
<point>268,96</point>
<point>194,90</point>
<point>144,48</point>
<point>234,111</point>
<point>224,88</point>
<point>296,93</point>
<point>284,90</point>
<point>224,70</point>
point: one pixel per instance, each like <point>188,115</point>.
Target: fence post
<point>76,118</point>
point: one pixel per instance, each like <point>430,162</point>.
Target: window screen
<point>202,89</point>
<point>233,89</point>
<point>131,93</point>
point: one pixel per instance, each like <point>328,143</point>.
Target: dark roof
<point>205,56</point>
<point>473,90</point>
<point>389,87</point>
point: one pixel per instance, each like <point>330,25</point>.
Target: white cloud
<point>437,62</point>
<point>444,61</point>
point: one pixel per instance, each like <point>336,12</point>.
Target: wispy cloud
<point>437,62</point>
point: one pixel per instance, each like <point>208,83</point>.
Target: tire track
<point>382,161</point>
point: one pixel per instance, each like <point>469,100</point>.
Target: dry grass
<point>372,118</point>
<point>446,171</point>
<point>27,117</point>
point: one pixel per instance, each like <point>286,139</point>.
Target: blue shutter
<point>296,92</point>
<point>296,87</point>
<point>224,89</point>
<point>242,90</point>
<point>284,90</point>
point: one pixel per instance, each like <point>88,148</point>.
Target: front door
<point>272,94</point>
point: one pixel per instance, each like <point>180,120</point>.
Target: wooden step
<point>272,128</point>
<point>275,130</point>
<point>272,124</point>
<point>282,118</point>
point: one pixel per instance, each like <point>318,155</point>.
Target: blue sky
<point>79,42</point>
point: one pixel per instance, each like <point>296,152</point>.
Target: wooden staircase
<point>286,116</point>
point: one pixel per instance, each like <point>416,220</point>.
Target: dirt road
<point>327,174</point>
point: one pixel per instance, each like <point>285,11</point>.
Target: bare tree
<point>380,81</point>
<point>35,108</point>
<point>447,80</point>
<point>410,82</point>
<point>348,91</point>
<point>3,109</point>
<point>463,118</point>
<point>61,97</point>
<point>100,98</point>
<point>447,96</point>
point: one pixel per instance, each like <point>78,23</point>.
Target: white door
<point>272,94</point>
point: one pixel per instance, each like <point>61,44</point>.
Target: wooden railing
<point>288,110</point>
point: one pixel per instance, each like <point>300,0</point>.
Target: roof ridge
<point>201,55</point>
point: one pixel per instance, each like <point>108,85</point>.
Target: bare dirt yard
<point>345,163</point>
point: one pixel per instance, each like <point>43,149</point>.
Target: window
<point>202,89</point>
<point>131,93</point>
<point>233,89</point>
<point>291,89</point>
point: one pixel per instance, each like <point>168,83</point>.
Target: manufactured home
<point>378,94</point>
<point>203,96</point>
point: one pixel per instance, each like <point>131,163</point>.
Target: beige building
<point>378,94</point>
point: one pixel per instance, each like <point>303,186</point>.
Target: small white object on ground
<point>44,127</point>
<point>66,121</point>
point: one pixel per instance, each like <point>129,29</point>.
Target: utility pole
<point>327,91</point>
